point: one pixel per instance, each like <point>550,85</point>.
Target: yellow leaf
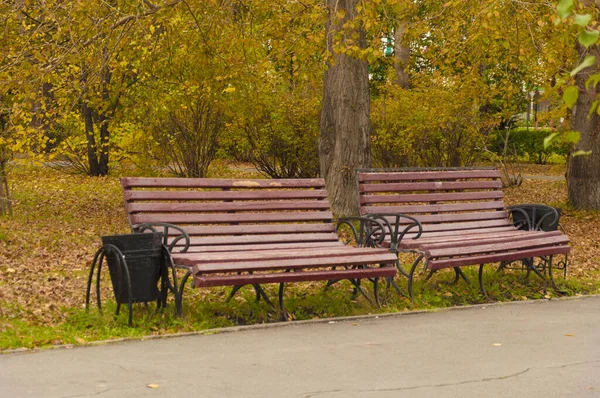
<point>152,386</point>
<point>229,90</point>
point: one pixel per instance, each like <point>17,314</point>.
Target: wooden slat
<point>378,257</point>
<point>193,230</point>
<point>261,239</point>
<point>262,255</point>
<point>299,276</point>
<point>427,175</point>
<point>449,218</point>
<point>495,247</point>
<point>263,246</point>
<point>466,225</point>
<point>430,186</point>
<point>497,257</point>
<point>230,218</point>
<point>476,235</point>
<point>225,195</point>
<point>442,208</point>
<point>431,197</point>
<point>461,232</point>
<point>144,182</point>
<point>222,207</point>
<point>516,236</point>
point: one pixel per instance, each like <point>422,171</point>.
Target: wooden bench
<point>454,217</point>
<point>240,232</point>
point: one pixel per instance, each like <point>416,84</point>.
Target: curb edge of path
<point>234,329</point>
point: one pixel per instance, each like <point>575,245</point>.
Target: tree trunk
<point>583,172</point>
<point>401,55</point>
<point>345,127</point>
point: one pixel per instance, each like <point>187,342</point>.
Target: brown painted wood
<point>231,218</point>
<point>262,239</point>
<point>193,230</point>
<point>430,186</point>
<point>497,257</point>
<point>145,182</point>
<point>430,197</point>
<point>349,259</point>
<point>462,232</point>
<point>451,218</point>
<point>262,255</point>
<point>226,207</point>
<point>224,195</point>
<point>495,247</point>
<point>468,241</point>
<point>300,276</point>
<point>427,175</point>
<point>263,246</point>
<point>477,235</point>
<point>426,208</point>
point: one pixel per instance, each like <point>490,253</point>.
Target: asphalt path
<point>526,349</point>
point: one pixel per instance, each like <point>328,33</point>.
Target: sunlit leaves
<point>570,95</point>
<point>588,38</point>
<point>582,19</point>
<point>564,8</point>
<point>587,62</point>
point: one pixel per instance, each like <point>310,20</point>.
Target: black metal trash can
<point>145,263</point>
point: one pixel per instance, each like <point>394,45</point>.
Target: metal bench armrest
<point>370,232</point>
<point>394,228</point>
<point>551,216</point>
<point>139,228</point>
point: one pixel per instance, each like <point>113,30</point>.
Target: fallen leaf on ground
<point>152,386</point>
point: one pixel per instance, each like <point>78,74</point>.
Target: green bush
<point>430,126</point>
<point>529,143</point>
<point>279,135</point>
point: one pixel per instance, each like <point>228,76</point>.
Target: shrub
<point>425,127</point>
<point>187,137</point>
<point>279,136</point>
<point>529,143</point>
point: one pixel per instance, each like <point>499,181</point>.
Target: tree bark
<point>345,127</point>
<point>583,172</point>
<point>401,55</point>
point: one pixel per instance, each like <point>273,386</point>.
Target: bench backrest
<point>442,199</point>
<point>229,214</point>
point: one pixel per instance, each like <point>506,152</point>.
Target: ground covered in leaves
<point>46,250</point>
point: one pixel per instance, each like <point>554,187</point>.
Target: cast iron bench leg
<point>411,275</point>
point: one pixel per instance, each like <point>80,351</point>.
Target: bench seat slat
<point>145,182</point>
<point>349,259</point>
<point>431,186</point>
<point>430,197</point>
<point>465,238</point>
<point>260,255</point>
<point>495,247</point>
<point>224,195</point>
<point>428,175</point>
<point>479,240</point>
<point>268,246</point>
<point>300,276</point>
<point>453,217</point>
<point>424,208</point>
<point>261,239</point>
<point>497,257</point>
<point>193,218</point>
<point>223,207</point>
<point>193,230</point>
<point>461,232</point>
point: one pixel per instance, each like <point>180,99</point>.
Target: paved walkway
<point>536,349</point>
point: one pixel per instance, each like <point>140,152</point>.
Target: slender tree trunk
<point>345,127</point>
<point>583,172</point>
<point>401,55</point>
<point>88,118</point>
